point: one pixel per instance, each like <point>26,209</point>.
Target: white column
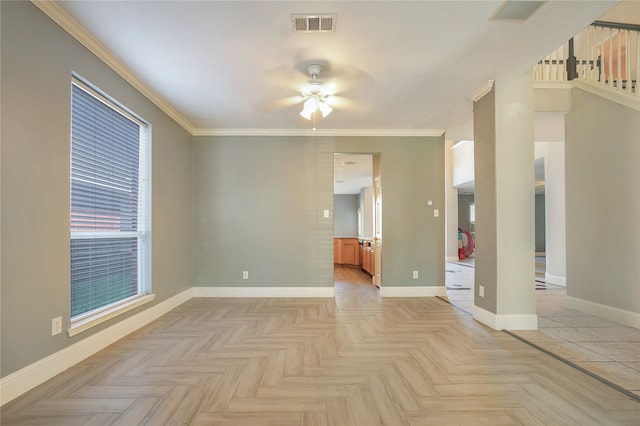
<point>505,204</point>
<point>555,214</point>
<point>451,202</point>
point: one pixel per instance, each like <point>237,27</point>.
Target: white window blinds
<point>108,182</point>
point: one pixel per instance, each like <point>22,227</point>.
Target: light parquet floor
<point>357,359</point>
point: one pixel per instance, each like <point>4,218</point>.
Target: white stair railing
<point>605,53</point>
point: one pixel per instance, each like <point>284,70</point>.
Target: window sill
<point>85,323</point>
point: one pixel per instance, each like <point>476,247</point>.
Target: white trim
<point>505,322</point>
<point>263,292</point>
<point>552,85</point>
<point>319,132</point>
<point>481,91</point>
<point>413,291</point>
<point>484,316</point>
<point>84,235</point>
<point>453,259</point>
<point>85,322</point>
<point>77,31</point>
<point>25,379</point>
<point>555,280</point>
<point>459,144</point>
<point>621,316</point>
<point>630,101</point>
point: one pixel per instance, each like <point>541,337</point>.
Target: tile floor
<point>601,347</point>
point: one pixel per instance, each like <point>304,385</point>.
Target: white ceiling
<point>404,66</point>
<point>352,172</point>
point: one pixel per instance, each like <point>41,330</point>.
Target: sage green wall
<point>37,58</point>
<point>486,268</point>
<point>412,170</point>
<point>345,217</point>
<point>259,202</point>
<point>464,222</point>
<point>259,205</point>
<point>603,202</point>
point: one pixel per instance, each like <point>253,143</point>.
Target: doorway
<point>357,220</point>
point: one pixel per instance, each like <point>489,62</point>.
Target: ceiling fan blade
<point>344,103</point>
<point>285,76</point>
<point>279,103</point>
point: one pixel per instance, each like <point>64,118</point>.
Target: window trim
<point>87,320</point>
<point>90,319</point>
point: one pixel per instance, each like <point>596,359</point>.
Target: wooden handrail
<point>616,25</point>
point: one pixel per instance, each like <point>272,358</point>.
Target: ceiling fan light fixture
<point>309,107</point>
<point>324,108</point>
<point>315,95</point>
<point>313,104</point>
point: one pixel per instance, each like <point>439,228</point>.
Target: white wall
<point>463,163</point>
<point>451,200</point>
<point>555,212</point>
<point>367,213</point>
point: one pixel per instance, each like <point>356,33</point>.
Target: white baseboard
<point>263,291</point>
<point>505,322</point>
<point>555,280</point>
<point>413,291</point>
<point>25,379</point>
<point>453,259</point>
<point>621,316</point>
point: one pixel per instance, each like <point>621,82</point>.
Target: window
<point>472,213</point>
<point>110,238</point>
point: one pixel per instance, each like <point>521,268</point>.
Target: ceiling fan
<point>315,95</point>
<point>318,97</point>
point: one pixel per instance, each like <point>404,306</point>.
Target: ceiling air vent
<point>315,23</point>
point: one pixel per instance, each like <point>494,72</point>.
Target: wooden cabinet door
<point>349,251</point>
<point>346,251</point>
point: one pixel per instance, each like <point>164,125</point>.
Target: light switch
<point>436,212</point>
<point>326,214</point>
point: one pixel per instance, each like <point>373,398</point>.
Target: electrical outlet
<point>56,326</point>
<point>481,291</point>
<point>245,275</point>
<point>415,275</point>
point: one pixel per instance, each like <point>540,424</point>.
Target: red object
<point>460,253</point>
<point>468,250</point>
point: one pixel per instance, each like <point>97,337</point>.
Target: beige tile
<point>583,321</point>
<point>574,352</point>
<point>617,351</point>
<point>571,334</point>
<point>634,365</point>
<point>618,373</point>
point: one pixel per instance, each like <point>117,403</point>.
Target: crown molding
<point>320,132</point>
<point>84,37</point>
<point>481,91</point>
<point>77,31</point>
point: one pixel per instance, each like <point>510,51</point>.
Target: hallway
<point>603,348</point>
